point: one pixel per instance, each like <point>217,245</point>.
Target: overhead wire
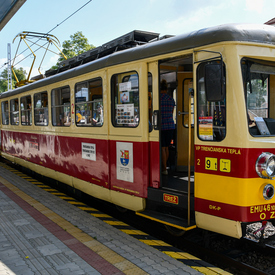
<point>47,33</point>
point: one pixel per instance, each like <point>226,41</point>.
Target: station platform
<point>40,233</point>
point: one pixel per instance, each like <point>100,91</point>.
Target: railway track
<point>235,256</point>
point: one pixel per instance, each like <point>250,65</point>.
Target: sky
<point>104,20</point>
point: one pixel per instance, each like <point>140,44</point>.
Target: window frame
<point>26,113</point>
<point>91,102</point>
<point>114,95</point>
<point>253,129</point>
<point>217,131</point>
<point>12,113</point>
<point>66,122</point>
<point>43,123</point>
<point>186,112</point>
<point>6,112</point>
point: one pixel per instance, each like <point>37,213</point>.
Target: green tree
<point>77,44</point>
<point>20,74</point>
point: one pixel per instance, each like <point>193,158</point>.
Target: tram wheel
<point>174,231</point>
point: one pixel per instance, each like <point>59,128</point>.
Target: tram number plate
<point>211,164</point>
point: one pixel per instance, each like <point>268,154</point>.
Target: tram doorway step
<point>169,198</point>
<point>169,220</point>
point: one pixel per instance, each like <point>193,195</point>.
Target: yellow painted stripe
<point>115,222</point>
<point>76,202</point>
<point>49,189</point>
<point>65,198</point>
<point>101,215</point>
<point>133,232</point>
<point>187,256</point>
<point>167,223</point>
<point>180,255</point>
<point>235,191</point>
<point>217,270</point>
<point>210,271</point>
<point>155,243</point>
<point>42,185</point>
<point>87,208</point>
<point>57,194</point>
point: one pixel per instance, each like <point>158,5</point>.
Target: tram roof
<point>231,32</point>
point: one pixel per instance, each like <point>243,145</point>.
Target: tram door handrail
<point>191,94</point>
<point>190,116</point>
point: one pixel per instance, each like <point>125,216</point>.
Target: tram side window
<point>41,117</point>
<point>26,110</point>
<point>5,112</point>
<point>211,115</point>
<point>125,99</point>
<point>61,106</point>
<point>14,111</point>
<point>259,87</point>
<point>89,103</point>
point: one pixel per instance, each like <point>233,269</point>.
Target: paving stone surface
<point>28,247</point>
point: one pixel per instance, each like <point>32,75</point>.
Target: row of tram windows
<point>88,110</point>
<point>88,106</point>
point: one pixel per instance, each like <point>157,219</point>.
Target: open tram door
<point>171,196</point>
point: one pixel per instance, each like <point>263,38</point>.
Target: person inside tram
<point>167,123</point>
<point>98,116</point>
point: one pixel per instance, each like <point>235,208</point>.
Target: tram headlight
<point>265,166</point>
<point>268,192</point>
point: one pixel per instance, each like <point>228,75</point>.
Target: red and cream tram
<point>87,124</point>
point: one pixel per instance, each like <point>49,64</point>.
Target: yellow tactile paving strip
<point>109,255</point>
<point>209,270</point>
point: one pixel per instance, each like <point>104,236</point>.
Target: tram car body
<point>89,127</point>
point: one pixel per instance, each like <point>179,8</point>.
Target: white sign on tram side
<point>124,161</point>
<point>88,151</point>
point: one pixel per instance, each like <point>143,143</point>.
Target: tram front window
<point>211,115</point>
<point>259,84</point>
